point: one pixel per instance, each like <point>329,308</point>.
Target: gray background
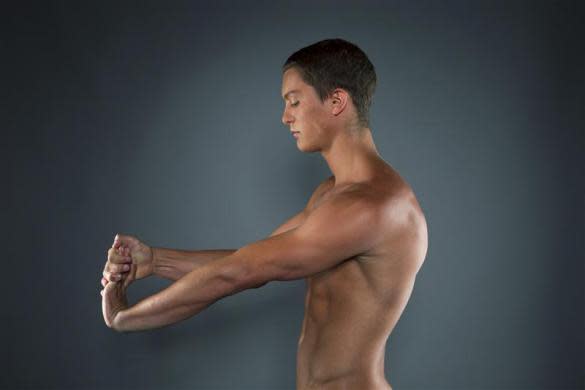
<point>163,121</point>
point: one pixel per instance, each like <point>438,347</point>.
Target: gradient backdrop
<point>162,120</point>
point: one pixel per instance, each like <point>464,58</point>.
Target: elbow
<point>250,276</point>
<point>247,271</point>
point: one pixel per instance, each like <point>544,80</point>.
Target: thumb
<point>130,277</point>
<point>122,239</point>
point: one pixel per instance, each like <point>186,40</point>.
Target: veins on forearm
<point>175,263</point>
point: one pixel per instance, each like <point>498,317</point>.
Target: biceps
<point>292,255</point>
<point>290,224</point>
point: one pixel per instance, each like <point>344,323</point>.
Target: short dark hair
<point>336,63</point>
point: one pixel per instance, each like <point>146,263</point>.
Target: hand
<point>113,302</point>
<point>127,252</point>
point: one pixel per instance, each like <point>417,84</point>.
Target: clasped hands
<point>128,260</point>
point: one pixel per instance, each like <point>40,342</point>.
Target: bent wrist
<point>118,321</point>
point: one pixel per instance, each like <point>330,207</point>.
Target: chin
<point>308,149</point>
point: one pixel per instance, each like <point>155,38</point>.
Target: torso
<point>351,309</point>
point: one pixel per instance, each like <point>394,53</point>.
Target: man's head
<point>336,63</point>
<point>335,81</point>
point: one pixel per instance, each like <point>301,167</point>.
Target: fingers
<point>119,255</point>
<point>122,239</point>
<point>117,268</point>
<point>118,261</point>
<point>110,277</point>
<point>117,264</point>
<point>115,272</point>
<point>117,241</point>
<point>129,276</point>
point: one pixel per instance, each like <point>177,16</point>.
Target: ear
<point>339,101</point>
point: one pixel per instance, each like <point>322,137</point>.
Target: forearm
<point>188,296</point>
<point>174,263</point>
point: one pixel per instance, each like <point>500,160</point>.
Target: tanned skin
<point>358,243</point>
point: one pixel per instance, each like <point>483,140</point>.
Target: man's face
<point>304,112</point>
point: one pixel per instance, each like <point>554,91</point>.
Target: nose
<point>287,119</point>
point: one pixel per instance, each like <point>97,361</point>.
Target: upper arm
<point>291,223</point>
<point>337,230</point>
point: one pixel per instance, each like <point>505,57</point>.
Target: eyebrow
<point>289,92</point>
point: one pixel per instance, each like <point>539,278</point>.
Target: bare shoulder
<point>388,203</point>
<point>382,214</point>
<point>321,189</point>
<point>402,227</point>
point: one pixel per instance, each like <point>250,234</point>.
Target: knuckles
<point>114,266</point>
<point>114,257</point>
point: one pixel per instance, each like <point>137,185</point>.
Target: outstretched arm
<point>337,230</point>
<point>173,264</point>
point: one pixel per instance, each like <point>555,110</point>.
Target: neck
<point>351,156</point>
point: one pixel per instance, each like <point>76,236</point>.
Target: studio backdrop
<point>163,121</point>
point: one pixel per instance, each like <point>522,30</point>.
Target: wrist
<point>146,268</point>
<point>118,321</point>
<point>154,261</point>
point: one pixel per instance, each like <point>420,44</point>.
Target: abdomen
<point>344,330</point>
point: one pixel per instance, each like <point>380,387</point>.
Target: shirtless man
<point>359,242</point>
